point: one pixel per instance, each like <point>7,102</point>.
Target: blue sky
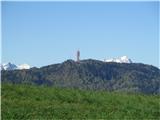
<point>42,33</point>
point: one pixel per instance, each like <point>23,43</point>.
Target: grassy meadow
<point>40,102</point>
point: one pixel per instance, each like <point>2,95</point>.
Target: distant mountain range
<point>90,74</point>
<point>123,59</point>
<point>11,66</point>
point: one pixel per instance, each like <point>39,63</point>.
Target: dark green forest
<point>90,74</point>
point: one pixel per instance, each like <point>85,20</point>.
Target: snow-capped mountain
<point>8,66</point>
<point>24,66</point>
<point>11,66</point>
<point>123,59</point>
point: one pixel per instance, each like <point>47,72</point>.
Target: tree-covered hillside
<point>91,74</point>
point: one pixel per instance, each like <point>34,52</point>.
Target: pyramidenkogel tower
<point>78,56</point>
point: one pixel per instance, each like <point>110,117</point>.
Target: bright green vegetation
<point>40,102</point>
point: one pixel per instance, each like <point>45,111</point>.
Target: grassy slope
<point>22,102</point>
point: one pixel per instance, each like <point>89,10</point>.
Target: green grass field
<point>33,102</point>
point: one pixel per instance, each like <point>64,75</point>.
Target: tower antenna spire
<point>78,56</point>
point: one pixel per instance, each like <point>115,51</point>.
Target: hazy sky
<point>42,33</point>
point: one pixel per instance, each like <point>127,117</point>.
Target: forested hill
<point>91,74</point>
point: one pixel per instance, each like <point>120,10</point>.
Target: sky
<point>43,33</point>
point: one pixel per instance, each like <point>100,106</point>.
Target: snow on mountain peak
<point>8,66</point>
<point>24,66</point>
<point>11,66</point>
<point>123,59</point>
